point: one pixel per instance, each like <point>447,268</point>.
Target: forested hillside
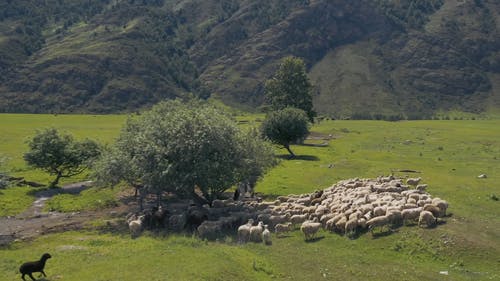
<point>366,58</point>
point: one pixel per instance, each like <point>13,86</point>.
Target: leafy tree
<point>186,149</point>
<point>286,126</point>
<point>290,87</point>
<point>60,155</point>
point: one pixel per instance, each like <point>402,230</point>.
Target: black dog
<point>34,266</point>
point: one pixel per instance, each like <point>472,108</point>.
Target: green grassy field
<point>449,154</point>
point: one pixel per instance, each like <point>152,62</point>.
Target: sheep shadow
<point>315,239</point>
<point>383,233</point>
<point>298,157</point>
<point>281,236</point>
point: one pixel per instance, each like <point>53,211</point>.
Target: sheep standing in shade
<point>34,266</point>
<point>135,226</point>
<point>244,231</point>
<point>256,232</point>
<point>266,235</point>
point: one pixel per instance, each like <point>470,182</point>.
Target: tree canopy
<point>286,126</point>
<point>290,87</point>
<point>59,154</point>
<point>186,148</point>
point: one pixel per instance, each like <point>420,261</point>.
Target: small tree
<point>60,155</point>
<point>286,126</point>
<point>290,87</point>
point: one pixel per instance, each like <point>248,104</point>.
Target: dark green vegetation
<point>290,87</point>
<point>176,147</point>
<point>60,155</point>
<point>286,126</point>
<point>367,59</point>
<point>448,154</point>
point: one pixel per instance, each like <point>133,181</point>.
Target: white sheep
<point>413,181</point>
<point>410,214</point>
<point>433,209</point>
<point>426,218</point>
<point>256,232</point>
<point>266,235</point>
<point>379,211</point>
<point>310,229</point>
<point>244,231</point>
<point>441,204</point>
<point>282,228</point>
<point>377,222</point>
<point>298,219</point>
<point>275,219</point>
<point>350,226</point>
<point>421,187</point>
<point>135,226</point>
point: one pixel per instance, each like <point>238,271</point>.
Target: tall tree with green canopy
<point>290,87</point>
<point>286,126</point>
<point>188,148</point>
<point>59,154</point>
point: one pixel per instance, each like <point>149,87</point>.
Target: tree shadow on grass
<point>298,157</point>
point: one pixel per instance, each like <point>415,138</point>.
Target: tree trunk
<point>56,181</point>
<point>198,200</point>
<point>158,198</point>
<point>292,155</point>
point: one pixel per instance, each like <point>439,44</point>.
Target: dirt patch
<point>34,222</point>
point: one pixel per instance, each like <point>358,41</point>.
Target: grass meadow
<point>449,154</point>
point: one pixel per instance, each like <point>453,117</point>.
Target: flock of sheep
<point>349,207</point>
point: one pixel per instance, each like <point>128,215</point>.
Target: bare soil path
<point>34,221</point>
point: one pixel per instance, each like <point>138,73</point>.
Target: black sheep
<point>34,266</point>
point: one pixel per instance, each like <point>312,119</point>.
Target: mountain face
<point>366,58</point>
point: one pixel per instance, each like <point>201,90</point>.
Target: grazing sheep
<point>34,266</point>
<point>427,218</point>
<point>394,217</point>
<point>441,204</point>
<point>266,235</point>
<point>421,187</point>
<point>274,220</point>
<point>244,231</point>
<point>410,214</point>
<point>310,229</point>
<point>135,226</point>
<point>298,219</point>
<point>210,230</point>
<point>177,222</point>
<point>282,228</point>
<point>377,222</point>
<point>158,217</point>
<point>256,232</point>
<point>195,216</point>
<point>379,211</point>
<point>413,181</point>
<point>350,227</point>
<point>433,209</point>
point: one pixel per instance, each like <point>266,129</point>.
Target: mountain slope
<point>366,58</point>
